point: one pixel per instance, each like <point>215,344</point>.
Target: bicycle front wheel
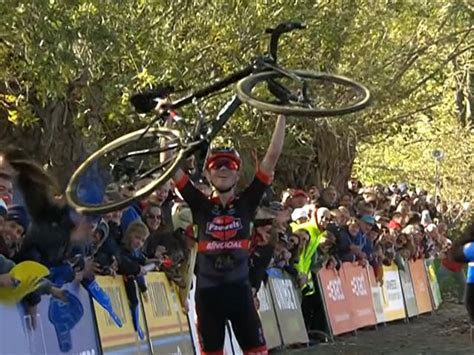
<point>314,94</point>
<point>125,170</point>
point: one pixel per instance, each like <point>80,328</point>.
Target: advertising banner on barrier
<point>362,306</point>
<point>434,285</point>
<point>287,308</point>
<point>337,301</point>
<point>65,327</point>
<point>408,291</point>
<point>113,338</point>
<point>167,325</point>
<point>420,286</point>
<point>394,307</point>
<point>377,297</point>
<point>12,328</point>
<point>268,317</point>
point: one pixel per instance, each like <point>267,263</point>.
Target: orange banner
<point>420,286</point>
<point>362,306</point>
<point>337,301</point>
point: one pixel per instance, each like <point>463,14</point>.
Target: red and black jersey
<point>223,232</point>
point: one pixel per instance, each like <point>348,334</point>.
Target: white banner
<point>393,291</point>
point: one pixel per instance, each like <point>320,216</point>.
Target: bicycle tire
<point>146,190</point>
<point>245,86</point>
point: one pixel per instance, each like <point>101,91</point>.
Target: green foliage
<point>94,54</point>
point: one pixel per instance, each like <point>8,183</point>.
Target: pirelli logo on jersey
<point>224,227</point>
<point>220,246</point>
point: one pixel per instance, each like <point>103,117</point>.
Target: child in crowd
<point>13,230</point>
<point>132,266</point>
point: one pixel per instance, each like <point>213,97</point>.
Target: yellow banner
<point>392,295</point>
<point>110,335</point>
<point>162,309</point>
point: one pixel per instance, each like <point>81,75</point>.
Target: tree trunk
<point>330,162</point>
<point>54,141</point>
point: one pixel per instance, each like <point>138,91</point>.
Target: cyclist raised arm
<point>225,186</point>
<point>223,290</point>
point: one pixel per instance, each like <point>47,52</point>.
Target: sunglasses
<point>263,222</point>
<point>223,162</point>
<point>153,216</point>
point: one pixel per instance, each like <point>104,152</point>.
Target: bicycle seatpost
<point>278,31</point>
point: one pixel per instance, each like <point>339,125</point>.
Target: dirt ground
<point>446,331</point>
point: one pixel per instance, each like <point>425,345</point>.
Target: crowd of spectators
<point>301,232</point>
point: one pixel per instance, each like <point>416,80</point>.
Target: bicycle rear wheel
<point>124,171</point>
<point>330,95</point>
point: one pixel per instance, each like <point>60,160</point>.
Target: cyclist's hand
<point>161,106</point>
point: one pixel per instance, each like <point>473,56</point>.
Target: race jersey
<point>223,232</point>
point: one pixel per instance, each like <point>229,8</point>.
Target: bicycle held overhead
<point>131,163</point>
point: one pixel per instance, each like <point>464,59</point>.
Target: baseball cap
<point>299,213</point>
<point>368,219</point>
<point>298,193</point>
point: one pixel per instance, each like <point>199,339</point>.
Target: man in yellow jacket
<point>312,310</point>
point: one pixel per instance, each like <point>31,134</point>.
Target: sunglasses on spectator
<point>263,222</point>
<point>216,164</point>
<point>153,216</point>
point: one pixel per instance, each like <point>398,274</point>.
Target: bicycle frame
<point>267,62</point>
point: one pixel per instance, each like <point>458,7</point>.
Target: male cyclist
<point>223,220</point>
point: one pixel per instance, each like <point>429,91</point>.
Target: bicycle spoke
<point>150,172</point>
<point>152,151</point>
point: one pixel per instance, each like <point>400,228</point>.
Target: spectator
<point>132,265</point>
<point>345,215</point>
<point>152,217</point>
<point>262,247</point>
<point>6,188</point>
<point>163,197</point>
<point>14,229</point>
<point>295,199</point>
<point>347,201</point>
<point>343,242</point>
<point>353,186</point>
<point>314,194</point>
<point>104,250</point>
<point>363,240</point>
<point>299,216</point>
<point>328,198</point>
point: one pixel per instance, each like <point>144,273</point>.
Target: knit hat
<point>19,215</point>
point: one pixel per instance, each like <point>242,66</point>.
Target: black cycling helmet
<point>222,152</point>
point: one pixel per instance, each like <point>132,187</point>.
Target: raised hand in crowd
<point>6,280</point>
